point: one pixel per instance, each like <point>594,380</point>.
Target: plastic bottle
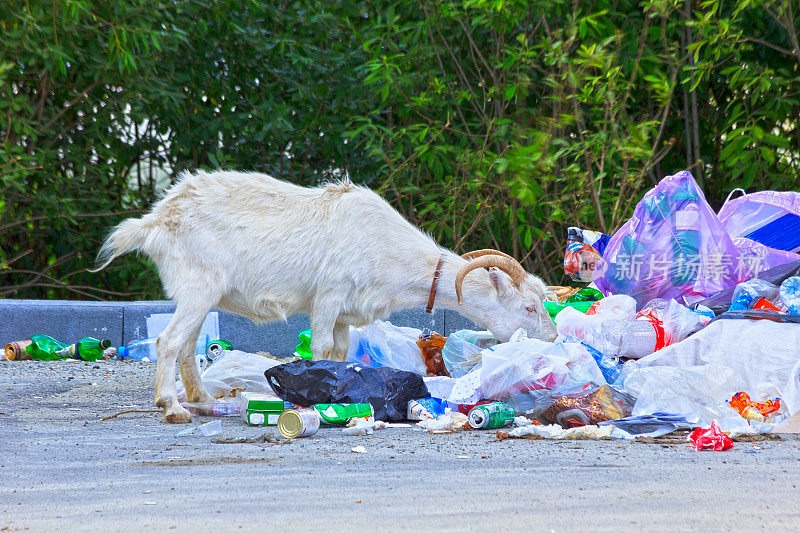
<point>628,338</point>
<point>88,349</point>
<point>585,295</point>
<point>303,350</point>
<point>214,408</point>
<point>143,350</point>
<point>46,348</point>
<point>790,294</point>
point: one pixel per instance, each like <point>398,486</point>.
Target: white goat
<point>267,249</point>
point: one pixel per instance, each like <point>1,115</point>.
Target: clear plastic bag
<point>462,351</point>
<point>384,344</point>
<point>514,371</point>
<point>234,370</point>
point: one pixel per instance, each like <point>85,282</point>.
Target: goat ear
<point>501,281</point>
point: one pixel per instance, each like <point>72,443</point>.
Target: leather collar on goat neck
<point>434,284</point>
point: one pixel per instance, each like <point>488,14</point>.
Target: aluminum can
<point>294,423</point>
<point>491,415</point>
<point>16,350</point>
<point>339,414</point>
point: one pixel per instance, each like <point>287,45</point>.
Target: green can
<point>491,415</point>
<point>339,414</point>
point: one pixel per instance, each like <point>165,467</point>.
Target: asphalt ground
<point>63,468</point>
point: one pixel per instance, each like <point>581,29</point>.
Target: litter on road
<point>689,322</point>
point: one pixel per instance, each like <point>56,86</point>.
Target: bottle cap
<point>122,351</point>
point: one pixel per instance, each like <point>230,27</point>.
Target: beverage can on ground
<point>17,350</point>
<point>294,423</point>
<point>339,414</point>
<point>491,415</point>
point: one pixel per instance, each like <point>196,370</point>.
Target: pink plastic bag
<point>673,247</point>
<point>711,437</point>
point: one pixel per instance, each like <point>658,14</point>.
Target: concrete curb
<point>125,322</point>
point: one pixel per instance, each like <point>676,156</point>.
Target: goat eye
<point>530,308</point>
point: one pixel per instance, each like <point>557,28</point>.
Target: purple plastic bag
<point>764,225</point>
<point>673,247</point>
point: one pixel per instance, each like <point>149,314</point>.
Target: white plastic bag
<point>384,344</point>
<point>462,351</point>
<point>697,376</point>
<point>231,370</point>
<point>513,371</point>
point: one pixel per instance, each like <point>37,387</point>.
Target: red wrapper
<point>711,437</point>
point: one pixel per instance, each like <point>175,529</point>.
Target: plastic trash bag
<point>388,390</point>
<point>673,247</point>
<point>514,371</point>
<point>462,351</point>
<point>765,226</point>
<point>234,370</point>
<point>697,377</point>
<point>384,344</point>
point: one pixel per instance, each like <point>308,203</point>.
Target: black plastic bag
<point>388,390</point>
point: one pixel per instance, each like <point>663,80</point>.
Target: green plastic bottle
<point>303,350</point>
<point>585,295</point>
<point>46,348</point>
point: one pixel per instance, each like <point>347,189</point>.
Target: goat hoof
<point>177,414</point>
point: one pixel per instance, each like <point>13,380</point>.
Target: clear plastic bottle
<point>143,350</point>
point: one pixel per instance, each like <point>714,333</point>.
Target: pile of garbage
<point>688,322</point>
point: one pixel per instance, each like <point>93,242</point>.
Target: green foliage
<point>489,123</point>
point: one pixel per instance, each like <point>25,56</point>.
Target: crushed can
<point>295,423</point>
<point>339,414</point>
<point>491,415</point>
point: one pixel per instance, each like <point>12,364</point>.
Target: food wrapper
<point>711,437</point>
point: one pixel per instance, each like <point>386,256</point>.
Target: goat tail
<point>129,235</point>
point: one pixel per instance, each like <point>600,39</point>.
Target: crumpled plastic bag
<point>388,390</point>
<point>462,351</point>
<point>512,371</point>
<point>233,370</point>
<point>384,344</point>
<point>710,437</point>
<point>697,377</point>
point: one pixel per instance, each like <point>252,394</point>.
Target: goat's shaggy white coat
<point>267,249</point>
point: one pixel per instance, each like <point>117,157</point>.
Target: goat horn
<point>488,251</point>
<point>509,266</point>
